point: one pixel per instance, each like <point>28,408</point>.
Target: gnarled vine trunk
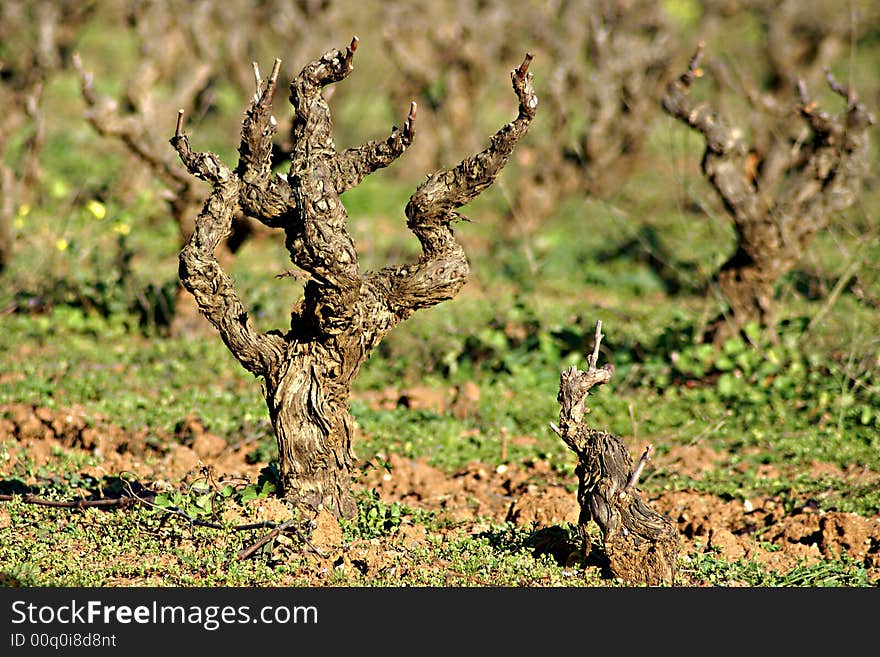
<point>778,205</point>
<point>344,312</point>
<point>641,545</point>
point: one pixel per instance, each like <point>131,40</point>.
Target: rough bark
<point>641,545</point>
<point>187,49</point>
<point>344,313</point>
<point>777,208</point>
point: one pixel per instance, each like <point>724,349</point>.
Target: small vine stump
<point>641,545</point>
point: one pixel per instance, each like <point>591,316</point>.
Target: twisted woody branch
<point>641,545</point>
<point>777,209</point>
<point>344,312</point>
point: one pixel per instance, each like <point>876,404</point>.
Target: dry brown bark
<point>779,202</point>
<point>641,545</point>
<point>187,49</point>
<point>307,369</point>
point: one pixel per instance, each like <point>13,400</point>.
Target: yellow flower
<point>24,210</point>
<point>122,228</point>
<point>61,244</point>
<point>97,209</point>
<point>59,188</point>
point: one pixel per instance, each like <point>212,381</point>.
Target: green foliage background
<point>87,294</point>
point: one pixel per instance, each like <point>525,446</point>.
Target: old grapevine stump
<point>779,196</point>
<point>641,544</point>
<point>307,368</point>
